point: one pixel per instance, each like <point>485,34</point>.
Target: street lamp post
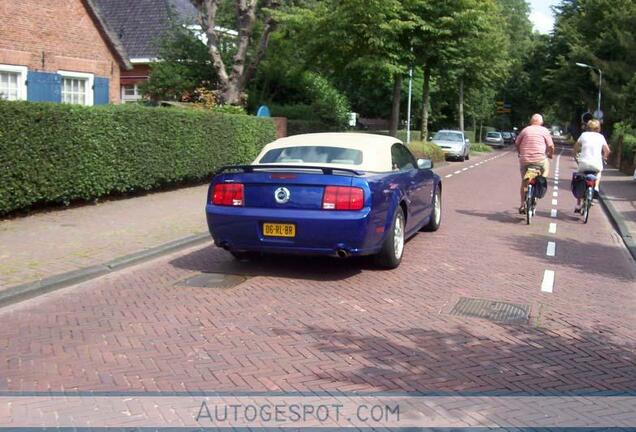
<point>600,82</point>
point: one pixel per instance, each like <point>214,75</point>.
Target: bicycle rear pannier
<point>578,185</point>
<point>540,187</point>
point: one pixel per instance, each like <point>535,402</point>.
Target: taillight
<point>343,198</point>
<point>228,194</point>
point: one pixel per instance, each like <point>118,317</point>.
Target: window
<point>77,88</point>
<point>130,93</point>
<point>313,154</point>
<point>401,158</point>
<point>13,82</point>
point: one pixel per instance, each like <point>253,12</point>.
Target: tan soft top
<point>376,149</point>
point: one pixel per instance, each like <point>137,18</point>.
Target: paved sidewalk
<point>618,191</point>
<point>59,241</point>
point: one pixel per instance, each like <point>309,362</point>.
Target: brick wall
<point>52,35</point>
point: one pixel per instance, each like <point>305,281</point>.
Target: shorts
<point>544,164</point>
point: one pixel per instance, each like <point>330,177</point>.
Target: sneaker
<point>522,209</point>
<point>577,209</point>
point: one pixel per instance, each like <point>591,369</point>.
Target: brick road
<point>319,324</point>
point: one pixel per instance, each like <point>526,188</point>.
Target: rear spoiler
<point>251,168</point>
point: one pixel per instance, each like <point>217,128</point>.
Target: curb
<point>29,290</point>
<point>619,222</point>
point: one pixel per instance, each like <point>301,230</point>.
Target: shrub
<point>330,106</point>
<point>480,148</point>
<point>426,150</point>
<point>55,153</point>
<point>629,140</point>
<point>294,112</point>
<point>297,127</point>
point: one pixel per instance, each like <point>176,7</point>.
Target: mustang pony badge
<point>282,195</point>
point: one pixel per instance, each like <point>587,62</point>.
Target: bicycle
<point>534,190</point>
<point>588,198</point>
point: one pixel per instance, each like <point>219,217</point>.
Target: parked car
<point>453,143</point>
<point>336,194</point>
<point>494,139</point>
<point>508,137</point>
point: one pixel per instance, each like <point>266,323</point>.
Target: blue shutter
<point>44,87</point>
<point>100,86</point>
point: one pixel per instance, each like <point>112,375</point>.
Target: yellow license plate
<point>279,230</point>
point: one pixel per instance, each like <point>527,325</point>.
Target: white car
<point>453,143</point>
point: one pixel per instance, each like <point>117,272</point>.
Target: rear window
<point>506,134</point>
<point>493,135</point>
<point>313,154</point>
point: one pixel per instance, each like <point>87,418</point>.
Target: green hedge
<point>55,153</point>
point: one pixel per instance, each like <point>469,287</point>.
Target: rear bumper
<point>453,152</point>
<point>317,232</point>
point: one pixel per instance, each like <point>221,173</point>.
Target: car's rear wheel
<point>436,217</point>
<point>392,250</point>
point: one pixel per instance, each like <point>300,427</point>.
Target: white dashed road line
<point>551,250</point>
<point>548,281</point>
<point>553,213</point>
<point>554,202</point>
<point>457,172</point>
<point>552,228</point>
<point>449,175</point>
<point>555,194</point>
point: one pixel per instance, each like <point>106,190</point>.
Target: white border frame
<point>22,80</point>
<point>90,83</point>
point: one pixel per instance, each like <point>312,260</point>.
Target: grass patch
<point>426,150</point>
<point>480,148</point>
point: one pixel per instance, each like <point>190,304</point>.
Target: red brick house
<point>59,51</point>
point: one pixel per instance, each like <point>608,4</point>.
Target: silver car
<point>494,139</point>
<point>453,143</point>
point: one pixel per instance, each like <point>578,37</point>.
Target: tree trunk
<point>481,127</point>
<point>461,105</point>
<point>395,111</point>
<point>426,95</point>
<point>619,151</point>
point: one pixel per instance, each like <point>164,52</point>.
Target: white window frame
<point>22,79</point>
<point>90,83</point>
<point>128,98</point>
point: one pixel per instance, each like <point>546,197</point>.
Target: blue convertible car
<point>339,194</point>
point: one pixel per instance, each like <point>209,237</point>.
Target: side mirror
<point>424,164</point>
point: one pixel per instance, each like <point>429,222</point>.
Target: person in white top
<point>593,150</point>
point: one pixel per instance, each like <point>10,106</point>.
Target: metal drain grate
<point>501,312</point>
<point>213,280</point>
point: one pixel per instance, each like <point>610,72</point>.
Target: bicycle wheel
<point>589,196</point>
<point>529,206</point>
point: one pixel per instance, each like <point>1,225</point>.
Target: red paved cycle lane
<point>322,324</point>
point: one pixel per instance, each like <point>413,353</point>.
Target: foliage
<point>629,140</point>
<point>297,127</point>
<point>426,150</point>
<point>182,67</point>
<point>293,112</point>
<point>321,102</point>
<point>598,33</point>
<point>57,153</point>
<point>331,106</point>
<point>480,148</point>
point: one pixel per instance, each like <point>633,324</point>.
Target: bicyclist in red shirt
<point>535,147</point>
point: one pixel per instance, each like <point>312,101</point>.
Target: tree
<point>182,67</point>
<point>232,85</point>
